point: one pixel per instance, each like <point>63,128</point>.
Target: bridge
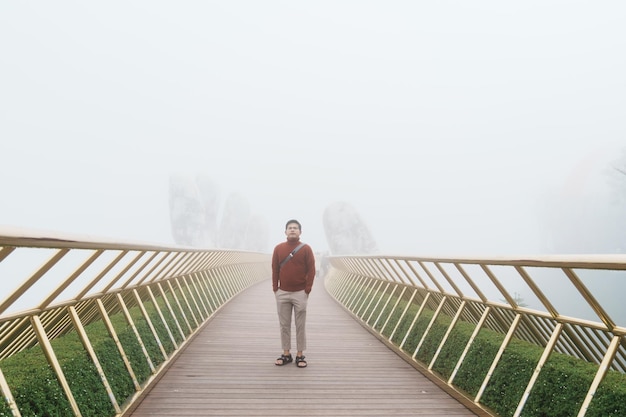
<point>100,328</point>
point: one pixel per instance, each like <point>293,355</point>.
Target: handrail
<point>549,301</point>
<point>169,292</point>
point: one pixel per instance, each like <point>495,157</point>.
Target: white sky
<point>443,122</point>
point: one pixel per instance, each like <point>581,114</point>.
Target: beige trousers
<point>288,303</point>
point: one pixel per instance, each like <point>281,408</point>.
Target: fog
<point>451,127</point>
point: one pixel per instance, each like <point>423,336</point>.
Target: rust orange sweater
<point>296,274</point>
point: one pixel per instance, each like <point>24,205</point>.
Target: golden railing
<point>566,304</point>
<point>78,281</point>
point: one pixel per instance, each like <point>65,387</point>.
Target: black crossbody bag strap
<point>293,252</point>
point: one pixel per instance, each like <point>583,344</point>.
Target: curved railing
<point>147,299</point>
<point>439,314</point>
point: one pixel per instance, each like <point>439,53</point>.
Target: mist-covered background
<point>446,127</point>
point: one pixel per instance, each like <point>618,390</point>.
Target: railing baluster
<point>469,343</point>
<point>54,362</point>
<point>116,340</point>
<point>496,359</point>
<point>403,314</point>
<point>131,323</point>
<point>602,370</point>
<point>446,335</point>
<point>146,317</point>
<point>92,354</point>
<point>542,361</point>
<point>430,325</point>
<point>171,310</point>
<point>382,310</point>
<point>162,317</point>
<point>8,396</point>
<point>417,316</point>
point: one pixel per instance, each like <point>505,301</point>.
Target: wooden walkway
<point>228,369</point>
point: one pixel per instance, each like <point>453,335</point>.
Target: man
<point>293,271</point>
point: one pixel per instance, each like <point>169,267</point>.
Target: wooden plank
<point>228,369</point>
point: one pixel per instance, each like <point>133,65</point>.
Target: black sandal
<point>285,359</point>
<point>300,360</point>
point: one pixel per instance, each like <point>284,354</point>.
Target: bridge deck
<point>228,369</point>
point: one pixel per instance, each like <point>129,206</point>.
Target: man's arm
<point>310,273</point>
<point>275,271</point>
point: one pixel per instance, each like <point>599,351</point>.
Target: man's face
<point>292,231</point>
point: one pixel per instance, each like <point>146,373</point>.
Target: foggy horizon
<point>451,128</point>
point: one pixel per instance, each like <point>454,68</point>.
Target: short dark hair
<point>293,221</point>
